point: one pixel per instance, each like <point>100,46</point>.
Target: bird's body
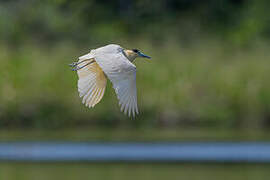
<point>112,62</point>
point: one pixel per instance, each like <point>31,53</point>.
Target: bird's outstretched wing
<point>92,82</point>
<point>122,74</point>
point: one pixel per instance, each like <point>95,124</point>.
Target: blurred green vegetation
<point>33,171</point>
<point>198,86</point>
<point>210,64</point>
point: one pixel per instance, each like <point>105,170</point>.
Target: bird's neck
<point>130,55</point>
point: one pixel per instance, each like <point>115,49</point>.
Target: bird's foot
<point>76,67</point>
<point>74,64</point>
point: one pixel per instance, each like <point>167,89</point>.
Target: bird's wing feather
<point>122,74</point>
<point>91,83</point>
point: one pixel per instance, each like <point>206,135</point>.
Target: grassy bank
<point>30,171</point>
<point>131,134</point>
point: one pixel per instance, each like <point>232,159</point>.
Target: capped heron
<point>112,62</point>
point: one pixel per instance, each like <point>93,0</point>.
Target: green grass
<point>71,171</point>
<point>209,84</point>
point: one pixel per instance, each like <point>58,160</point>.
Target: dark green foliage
<point>50,21</point>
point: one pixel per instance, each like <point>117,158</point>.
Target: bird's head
<point>134,53</point>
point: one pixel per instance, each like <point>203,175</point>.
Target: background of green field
<point>206,85</point>
<point>208,80</point>
<point>210,63</point>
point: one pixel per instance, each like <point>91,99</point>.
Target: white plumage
<point>115,63</point>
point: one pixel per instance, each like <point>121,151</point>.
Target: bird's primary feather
<point>91,83</point>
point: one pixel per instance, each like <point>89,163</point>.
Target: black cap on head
<point>135,50</point>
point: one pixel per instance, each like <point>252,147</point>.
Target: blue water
<point>258,152</point>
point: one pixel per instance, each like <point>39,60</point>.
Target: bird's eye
<point>135,50</point>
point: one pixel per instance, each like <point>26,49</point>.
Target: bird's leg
<point>78,68</point>
<point>77,63</point>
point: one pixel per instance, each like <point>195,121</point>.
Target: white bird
<point>112,62</point>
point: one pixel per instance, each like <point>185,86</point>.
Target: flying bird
<point>109,62</point>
